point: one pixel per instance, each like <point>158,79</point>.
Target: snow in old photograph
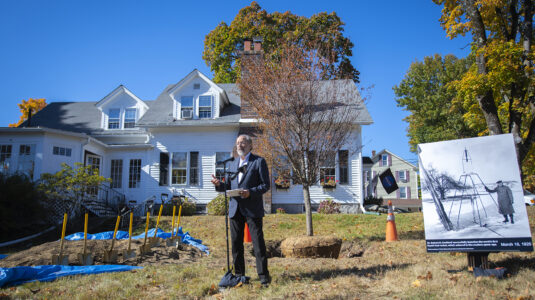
<point>471,189</point>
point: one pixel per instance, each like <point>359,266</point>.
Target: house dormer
<point>121,109</point>
<point>197,97</point>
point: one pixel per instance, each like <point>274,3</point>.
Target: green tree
<point>426,93</point>
<point>497,92</point>
<point>221,44</point>
<point>74,186</point>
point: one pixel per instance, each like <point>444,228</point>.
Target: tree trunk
<point>308,210</point>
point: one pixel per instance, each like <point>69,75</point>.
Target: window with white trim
<point>134,174</point>
<point>219,156</point>
<point>327,170</point>
<point>205,107</point>
<point>384,159</point>
<point>5,158</point>
<point>62,151</point>
<point>179,168</point>
<point>26,162</point>
<point>114,118</point>
<point>130,117</point>
<point>401,176</point>
<point>116,173</point>
<point>403,192</point>
<point>186,107</point>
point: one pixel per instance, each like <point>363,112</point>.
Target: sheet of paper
<point>234,193</point>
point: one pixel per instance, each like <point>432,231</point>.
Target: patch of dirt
<point>352,249</point>
<point>159,255</point>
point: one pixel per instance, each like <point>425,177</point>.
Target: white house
<point>163,146</point>
<point>406,175</point>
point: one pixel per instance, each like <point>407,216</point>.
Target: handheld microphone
<point>222,162</point>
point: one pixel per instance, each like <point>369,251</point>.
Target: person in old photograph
<point>505,200</point>
<point>253,180</point>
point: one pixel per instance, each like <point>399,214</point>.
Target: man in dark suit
<point>253,180</point>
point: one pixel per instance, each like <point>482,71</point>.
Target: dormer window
<point>114,118</point>
<point>205,107</point>
<point>186,107</point>
<point>130,118</point>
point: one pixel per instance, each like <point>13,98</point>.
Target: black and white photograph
<point>472,196</point>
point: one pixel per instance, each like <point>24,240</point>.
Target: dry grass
<point>400,270</point>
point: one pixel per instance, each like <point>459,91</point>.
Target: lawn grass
<point>398,270</point>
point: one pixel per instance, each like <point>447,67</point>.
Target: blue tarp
<point>121,235</point>
<point>3,256</point>
<point>20,275</point>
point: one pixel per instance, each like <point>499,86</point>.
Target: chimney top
<point>373,153</point>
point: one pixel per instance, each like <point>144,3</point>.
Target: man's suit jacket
<point>256,180</point>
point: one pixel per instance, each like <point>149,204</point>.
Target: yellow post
<point>85,232</point>
<point>173,222</point>
<point>130,230</point>
<point>158,220</point>
<point>146,228</point>
<point>178,222</point>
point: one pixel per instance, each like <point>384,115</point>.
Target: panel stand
<point>478,259</point>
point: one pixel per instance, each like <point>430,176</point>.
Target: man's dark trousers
<point>237,224</point>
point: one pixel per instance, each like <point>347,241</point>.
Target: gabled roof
<point>116,92</point>
<point>197,73</point>
<point>70,116</point>
<point>375,157</point>
<point>161,112</point>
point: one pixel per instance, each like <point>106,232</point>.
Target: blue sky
<point>82,50</point>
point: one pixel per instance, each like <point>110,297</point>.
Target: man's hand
<point>215,181</point>
<point>245,193</point>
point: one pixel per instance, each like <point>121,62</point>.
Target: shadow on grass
<point>370,272</point>
<point>515,264</point>
<point>403,236</point>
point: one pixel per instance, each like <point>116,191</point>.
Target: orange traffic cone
<point>391,232</point>
<point>246,234</point>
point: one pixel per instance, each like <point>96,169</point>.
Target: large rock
<point>311,246</point>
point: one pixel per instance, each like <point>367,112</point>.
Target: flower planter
<point>281,187</point>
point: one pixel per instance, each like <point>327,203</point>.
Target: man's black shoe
<point>265,280</point>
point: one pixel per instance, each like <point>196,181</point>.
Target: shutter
<point>397,194</point>
<point>408,192</point>
<point>408,176</point>
<point>164,168</point>
<point>397,175</point>
<point>389,160</point>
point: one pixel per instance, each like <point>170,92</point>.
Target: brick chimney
<point>373,153</point>
<point>250,54</point>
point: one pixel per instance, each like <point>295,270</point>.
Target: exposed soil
<point>159,255</point>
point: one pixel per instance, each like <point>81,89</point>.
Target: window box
<point>328,183</point>
<point>282,183</point>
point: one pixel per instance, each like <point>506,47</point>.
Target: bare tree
<point>304,120</point>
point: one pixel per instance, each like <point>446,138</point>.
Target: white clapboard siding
<point>207,142</point>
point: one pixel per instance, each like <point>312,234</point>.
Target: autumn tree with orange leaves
<point>34,105</point>
<point>304,119</point>
<point>498,91</point>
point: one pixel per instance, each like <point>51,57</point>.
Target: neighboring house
<point>168,145</point>
<point>406,175</point>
